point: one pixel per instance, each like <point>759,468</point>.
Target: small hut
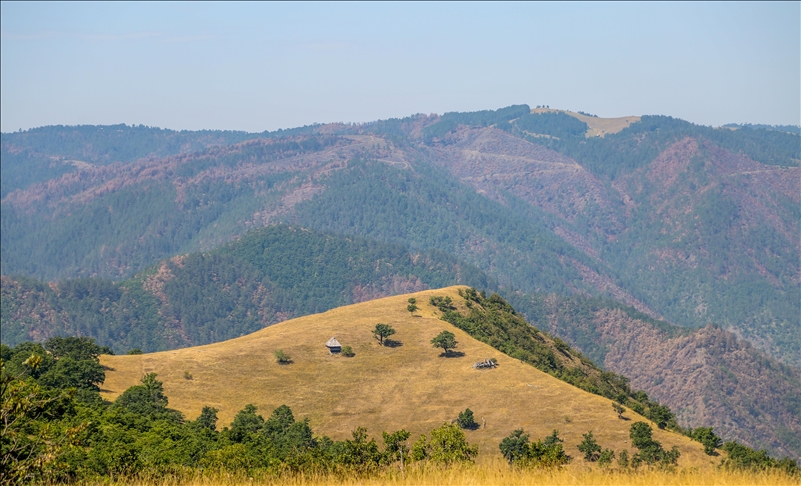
<point>333,346</point>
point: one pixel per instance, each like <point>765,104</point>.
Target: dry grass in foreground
<point>501,474</point>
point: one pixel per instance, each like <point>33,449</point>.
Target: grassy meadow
<point>495,472</point>
<point>597,126</point>
<point>385,388</point>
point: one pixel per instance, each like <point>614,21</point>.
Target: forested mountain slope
<point>267,276</point>
<point>685,222</point>
<point>43,153</point>
<point>706,376</point>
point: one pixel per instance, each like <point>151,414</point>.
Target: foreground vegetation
<point>480,474</point>
<point>57,428</point>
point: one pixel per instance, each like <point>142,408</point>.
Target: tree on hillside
<point>281,357</point>
<point>589,447</point>
<point>449,445</point>
<point>445,340</point>
<point>705,436</point>
<point>383,331</point>
<point>207,419</point>
<point>619,410</point>
<point>651,451</point>
<point>395,448</point>
<point>549,452</point>
<point>466,420</point>
<point>411,308</point>
<point>606,457</point>
<point>147,399</point>
<point>515,447</point>
<point>660,415</point>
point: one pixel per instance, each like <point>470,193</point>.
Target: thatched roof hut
<point>333,345</point>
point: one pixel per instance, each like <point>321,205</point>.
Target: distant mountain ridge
<point>277,273</point>
<point>268,276</point>
<point>690,224</point>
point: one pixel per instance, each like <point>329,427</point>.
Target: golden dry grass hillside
<point>383,388</point>
<point>598,127</point>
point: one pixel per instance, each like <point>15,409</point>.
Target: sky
<point>263,66</point>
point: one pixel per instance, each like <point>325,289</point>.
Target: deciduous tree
<point>445,340</point>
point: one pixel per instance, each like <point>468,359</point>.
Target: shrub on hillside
<point>448,445</point>
<point>590,448</point>
<point>518,450</point>
<point>707,437</point>
<point>651,451</point>
<point>466,420</point>
<point>281,357</point>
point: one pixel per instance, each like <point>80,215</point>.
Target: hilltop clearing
<point>405,385</point>
<point>596,127</point>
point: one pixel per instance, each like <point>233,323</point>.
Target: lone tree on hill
<point>411,308</point>
<point>619,410</point>
<point>466,420</point>
<point>445,340</point>
<point>590,448</point>
<point>383,331</point>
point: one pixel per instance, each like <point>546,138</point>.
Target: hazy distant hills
<point>689,223</point>
<point>268,276</point>
<point>706,376</point>
<point>685,223</point>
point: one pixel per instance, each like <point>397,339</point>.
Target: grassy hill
<point>407,385</point>
<point>596,126</point>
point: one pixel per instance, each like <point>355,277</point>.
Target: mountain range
<point>674,222</point>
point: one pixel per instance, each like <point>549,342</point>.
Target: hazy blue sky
<point>253,67</point>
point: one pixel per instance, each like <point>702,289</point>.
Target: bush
<point>590,448</point>
<point>444,304</point>
<point>449,445</point>
<point>705,436</point>
<point>347,352</point>
<point>606,457</point>
<point>623,459</point>
<point>466,420</point>
<point>651,451</point>
<point>744,458</point>
<point>517,449</point>
<point>281,357</point>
